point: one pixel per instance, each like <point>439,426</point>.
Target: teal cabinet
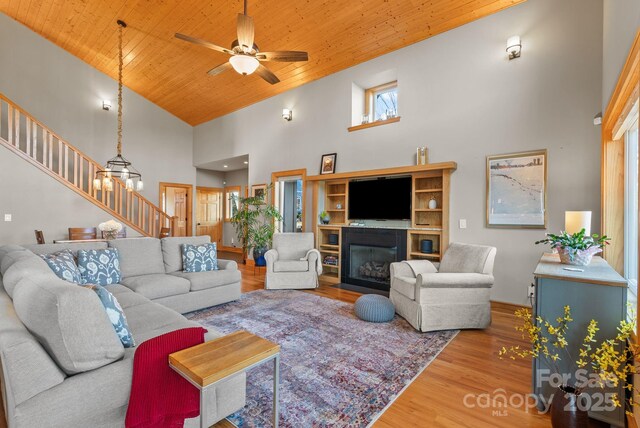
<point>598,292</point>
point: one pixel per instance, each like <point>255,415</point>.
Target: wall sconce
<point>287,114</point>
<point>514,47</point>
<point>106,105</point>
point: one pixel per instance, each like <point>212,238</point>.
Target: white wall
<point>65,94</point>
<point>621,23</point>
<point>461,97</point>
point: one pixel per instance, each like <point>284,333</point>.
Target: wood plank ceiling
<point>171,73</point>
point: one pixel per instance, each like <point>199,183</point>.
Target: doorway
<point>289,198</point>
<point>176,199</point>
<point>209,206</point>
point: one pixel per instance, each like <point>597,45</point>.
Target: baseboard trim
<point>230,249</point>
<point>495,304</point>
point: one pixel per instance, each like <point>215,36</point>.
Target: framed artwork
<point>259,191</point>
<point>328,163</point>
<point>517,190</point>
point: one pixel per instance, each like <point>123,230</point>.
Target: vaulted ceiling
<point>173,74</point>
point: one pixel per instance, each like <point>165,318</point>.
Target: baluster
<point>45,139</point>
<point>10,123</point>
<point>60,163</point>
<point>16,117</point>
<point>75,168</point>
<point>28,148</point>
<point>51,151</point>
<point>34,142</point>
<point>81,174</point>
<point>66,162</point>
<point>90,178</point>
<point>140,209</point>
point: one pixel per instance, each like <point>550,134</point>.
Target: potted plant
<point>576,249</point>
<point>255,222</point>
<point>603,364</point>
<point>325,218</point>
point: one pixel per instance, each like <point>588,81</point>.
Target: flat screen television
<point>380,199</point>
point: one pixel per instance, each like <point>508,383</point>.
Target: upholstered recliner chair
<point>454,295</point>
<point>292,262</point>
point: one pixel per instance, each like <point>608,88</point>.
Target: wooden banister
<point>33,141</point>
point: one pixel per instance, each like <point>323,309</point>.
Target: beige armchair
<point>292,262</point>
<point>454,295</point>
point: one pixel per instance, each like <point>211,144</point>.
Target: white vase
<point>433,204</point>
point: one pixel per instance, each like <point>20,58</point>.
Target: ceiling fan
<point>245,55</point>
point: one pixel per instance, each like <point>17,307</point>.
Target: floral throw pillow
<point>63,264</point>
<point>115,313</point>
<point>100,267</point>
<point>199,258</point>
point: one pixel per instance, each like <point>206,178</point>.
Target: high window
<point>381,102</point>
<point>631,208</point>
<point>232,199</point>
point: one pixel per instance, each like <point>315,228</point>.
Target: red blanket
<point>160,397</point>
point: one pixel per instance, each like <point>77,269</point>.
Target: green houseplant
<point>255,222</point>
<point>577,248</point>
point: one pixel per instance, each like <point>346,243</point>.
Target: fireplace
<point>367,254</point>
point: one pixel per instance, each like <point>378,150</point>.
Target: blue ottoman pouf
<point>374,308</point>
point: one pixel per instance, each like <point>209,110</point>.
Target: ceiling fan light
<point>244,64</point>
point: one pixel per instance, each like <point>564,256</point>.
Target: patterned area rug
<point>335,370</point>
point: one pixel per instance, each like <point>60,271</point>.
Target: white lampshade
<point>575,221</point>
<point>128,184</point>
<point>97,183</point>
<point>244,64</point>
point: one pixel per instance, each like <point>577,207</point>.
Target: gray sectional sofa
<point>63,366</point>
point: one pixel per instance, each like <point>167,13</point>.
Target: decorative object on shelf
<point>422,156</point>
<point>110,229</point>
<point>330,260</point>
<point>287,114</point>
<point>575,221</point>
<point>426,246</point>
<point>605,362</point>
<point>517,190</point>
<point>338,206</point>
<point>333,239</point>
<point>118,167</point>
<point>328,163</point>
<point>433,204</point>
<point>245,55</point>
<point>325,218</point>
<point>255,222</point>
<point>365,119</point>
<point>577,248</point>
<point>514,47</point>
<point>259,191</point>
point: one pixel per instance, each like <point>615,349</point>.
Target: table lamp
<point>575,221</point>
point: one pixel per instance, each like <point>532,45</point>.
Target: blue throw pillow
<point>63,264</point>
<point>115,313</point>
<point>100,267</point>
<point>199,258</point>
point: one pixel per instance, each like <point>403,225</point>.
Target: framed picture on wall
<point>517,190</point>
<point>328,163</point>
<point>259,191</point>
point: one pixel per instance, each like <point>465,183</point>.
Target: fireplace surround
<point>367,254</point>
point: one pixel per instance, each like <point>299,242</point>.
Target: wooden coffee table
<point>212,362</point>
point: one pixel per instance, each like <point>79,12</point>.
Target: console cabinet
<point>599,293</point>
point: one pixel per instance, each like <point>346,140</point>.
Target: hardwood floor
<point>468,365</point>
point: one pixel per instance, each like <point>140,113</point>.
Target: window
<point>381,102</point>
<point>631,209</point>
<point>232,200</point>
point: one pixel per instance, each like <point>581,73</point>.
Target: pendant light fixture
<point>118,167</point>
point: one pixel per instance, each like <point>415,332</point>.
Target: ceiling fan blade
<point>266,74</point>
<point>284,56</point>
<point>245,32</point>
<point>219,69</point>
<point>203,43</point>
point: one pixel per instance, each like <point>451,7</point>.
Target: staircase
<point>37,144</point>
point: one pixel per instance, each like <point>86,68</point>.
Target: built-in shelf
<point>334,195</point>
<point>341,210</point>
<point>426,210</point>
<point>429,255</point>
<point>428,190</point>
<point>330,266</point>
<point>374,124</point>
<point>335,252</point>
<point>336,247</point>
